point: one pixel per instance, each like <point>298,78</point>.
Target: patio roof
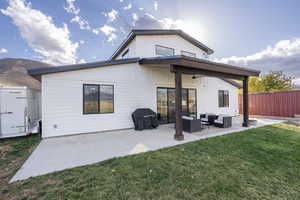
<point>190,65</point>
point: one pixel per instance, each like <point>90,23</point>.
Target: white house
<point>142,73</point>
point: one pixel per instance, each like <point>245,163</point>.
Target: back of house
<point>101,96</point>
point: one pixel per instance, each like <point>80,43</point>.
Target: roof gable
<point>180,33</point>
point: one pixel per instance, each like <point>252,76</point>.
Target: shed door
<point>12,111</point>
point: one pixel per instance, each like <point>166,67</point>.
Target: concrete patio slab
<point>55,154</point>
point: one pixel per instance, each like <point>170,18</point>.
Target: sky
<point>263,35</point>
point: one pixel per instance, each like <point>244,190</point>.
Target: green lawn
<point>262,163</point>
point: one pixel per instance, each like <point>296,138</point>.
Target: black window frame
<point>188,107</point>
<point>99,109</point>
<point>182,51</point>
<point>125,53</point>
<point>173,50</point>
<point>223,98</point>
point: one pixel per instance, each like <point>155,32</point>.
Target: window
<point>223,98</point>
<point>185,53</point>
<point>98,99</point>
<point>192,103</point>
<point>125,54</point>
<point>106,99</point>
<point>90,99</point>
<point>166,104</point>
<point>164,51</point>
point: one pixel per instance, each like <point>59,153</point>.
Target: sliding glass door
<point>166,104</point>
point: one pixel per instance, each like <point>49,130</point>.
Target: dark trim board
<point>232,82</point>
<point>194,64</point>
<point>184,64</point>
<point>40,71</point>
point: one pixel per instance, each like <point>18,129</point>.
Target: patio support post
<point>178,106</point>
<point>245,102</point>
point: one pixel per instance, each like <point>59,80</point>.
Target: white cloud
<point>141,8</point>
<point>111,16</point>
<point>169,23</point>
<point>2,50</point>
<point>164,23</point>
<point>129,6</point>
<point>121,1</point>
<point>109,31</point>
<point>71,7</point>
<point>135,16</point>
<point>83,24</point>
<point>283,56</point>
<point>81,41</point>
<point>155,5</point>
<point>38,29</point>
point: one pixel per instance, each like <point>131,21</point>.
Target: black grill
<point>144,118</point>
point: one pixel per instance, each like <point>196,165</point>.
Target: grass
<point>13,153</point>
<point>262,163</point>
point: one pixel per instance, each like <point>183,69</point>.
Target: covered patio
<point>59,153</point>
<point>180,65</point>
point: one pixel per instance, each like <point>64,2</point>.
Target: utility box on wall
<point>20,111</point>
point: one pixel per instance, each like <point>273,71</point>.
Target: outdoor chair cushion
<point>204,119</point>
<point>188,118</point>
<point>208,117</point>
<point>219,121</point>
<point>220,117</point>
<point>223,121</point>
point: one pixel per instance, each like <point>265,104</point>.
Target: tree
<point>272,82</point>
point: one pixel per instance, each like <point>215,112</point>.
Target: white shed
<point>19,111</point>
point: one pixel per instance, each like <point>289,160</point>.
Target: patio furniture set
<point>145,118</point>
<point>193,125</point>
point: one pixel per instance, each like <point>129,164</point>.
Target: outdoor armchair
<point>223,121</point>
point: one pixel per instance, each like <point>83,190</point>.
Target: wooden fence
<point>283,104</point>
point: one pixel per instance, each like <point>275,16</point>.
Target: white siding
<point>134,87</point>
<point>208,97</point>
<point>132,50</point>
<point>144,46</point>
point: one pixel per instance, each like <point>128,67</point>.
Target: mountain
<point>13,72</point>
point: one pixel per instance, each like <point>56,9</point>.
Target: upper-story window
<point>163,51</point>
<point>186,53</point>
<point>125,54</point>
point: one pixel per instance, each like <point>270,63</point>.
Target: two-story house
<point>165,70</point>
